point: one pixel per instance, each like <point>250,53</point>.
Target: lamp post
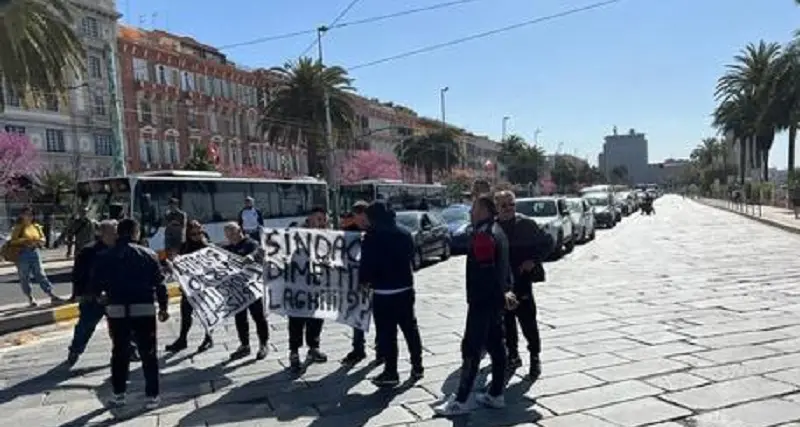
<point>331,157</point>
<point>505,123</point>
<point>442,103</point>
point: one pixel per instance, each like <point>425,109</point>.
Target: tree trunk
<point>312,158</point>
<point>742,159</point>
<point>792,140</point>
<point>428,174</point>
<point>765,164</point>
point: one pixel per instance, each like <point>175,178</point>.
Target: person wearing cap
<point>251,220</point>
<point>174,228</point>
<point>386,257</point>
<point>359,222</point>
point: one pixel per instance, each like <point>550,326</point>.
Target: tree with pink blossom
<point>18,158</point>
<point>368,164</point>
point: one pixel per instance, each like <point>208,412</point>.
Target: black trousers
<point>359,342</point>
<point>143,331</point>
<point>186,319</point>
<point>392,312</point>
<point>525,314</point>
<point>484,330</point>
<point>256,310</point>
<point>298,326</point>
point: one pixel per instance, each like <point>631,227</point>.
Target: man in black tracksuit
<point>386,255</point>
<point>529,246</point>
<point>358,353</point>
<point>129,277</point>
<point>488,291</point>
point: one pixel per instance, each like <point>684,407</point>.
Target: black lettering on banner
<point>272,242</point>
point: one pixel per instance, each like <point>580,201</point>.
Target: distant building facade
<point>73,131</point>
<point>628,151</point>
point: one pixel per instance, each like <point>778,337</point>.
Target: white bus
<point>207,197</point>
<point>399,195</point>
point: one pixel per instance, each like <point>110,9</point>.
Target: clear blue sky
<point>644,64</point>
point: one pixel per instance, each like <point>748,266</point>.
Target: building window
<point>90,27</point>
<point>141,70</point>
<point>55,140</point>
<point>162,75</point>
<point>147,150</point>
<point>169,115</point>
<point>102,145</point>
<point>187,82</point>
<point>191,117</point>
<point>19,130</point>
<point>99,105</point>
<point>145,112</point>
<point>212,122</point>
<point>12,98</point>
<point>95,67</point>
<point>171,153</point>
<point>212,86</point>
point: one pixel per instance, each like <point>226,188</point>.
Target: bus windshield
<point>106,198</point>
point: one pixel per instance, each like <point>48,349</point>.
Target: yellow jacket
<point>21,235</point>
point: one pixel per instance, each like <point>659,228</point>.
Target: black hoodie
<point>526,242</point>
<point>488,276</point>
<point>386,251</point>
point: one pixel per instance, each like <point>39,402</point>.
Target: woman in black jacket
<point>196,239</point>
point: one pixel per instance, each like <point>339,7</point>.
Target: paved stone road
<point>687,318</point>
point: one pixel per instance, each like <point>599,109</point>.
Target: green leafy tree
<point>564,173</point>
<point>523,162</point>
<point>296,111</point>
<point>39,47</point>
<point>200,161</point>
<point>433,152</point>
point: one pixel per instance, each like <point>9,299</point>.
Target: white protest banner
<point>314,273</point>
<point>217,283</point>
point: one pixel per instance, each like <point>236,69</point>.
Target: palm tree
<point>434,152</point>
<point>752,82</point>
<point>523,162</point>
<point>296,111</point>
<point>39,48</point>
<point>788,91</point>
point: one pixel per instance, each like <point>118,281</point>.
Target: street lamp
<point>442,91</point>
<point>505,122</point>
<point>331,158</point>
<point>536,136</point>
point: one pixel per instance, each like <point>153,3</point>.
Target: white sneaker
<point>152,402</point>
<point>452,408</point>
<point>117,400</point>
<point>489,401</point>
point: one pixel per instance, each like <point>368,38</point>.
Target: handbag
<point>10,252</point>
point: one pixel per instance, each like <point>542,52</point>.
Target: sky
<point>650,65</point>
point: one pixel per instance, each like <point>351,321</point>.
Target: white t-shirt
<point>249,219</point>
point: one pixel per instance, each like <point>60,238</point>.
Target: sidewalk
<point>770,215</point>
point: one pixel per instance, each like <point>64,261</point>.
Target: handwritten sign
<point>217,283</point>
<point>314,273</point>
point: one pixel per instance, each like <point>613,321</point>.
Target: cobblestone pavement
<point>686,318</point>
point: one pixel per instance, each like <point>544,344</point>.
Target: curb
<point>765,221</point>
<point>61,313</point>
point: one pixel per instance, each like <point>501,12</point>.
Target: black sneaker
<point>205,345</point>
<point>177,346</point>
<point>261,354</point>
<point>294,363</point>
<point>386,380</point>
<point>353,358</point>
<point>514,362</point>
<point>316,356</point>
<point>417,373</point>
<point>536,369</point>
<point>242,351</point>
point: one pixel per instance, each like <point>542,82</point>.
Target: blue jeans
<point>30,264</point>
<point>91,313</point>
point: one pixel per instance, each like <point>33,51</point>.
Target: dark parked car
<point>431,236</point>
<point>458,222</point>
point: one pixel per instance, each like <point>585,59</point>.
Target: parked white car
<point>582,218</point>
<point>552,215</point>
